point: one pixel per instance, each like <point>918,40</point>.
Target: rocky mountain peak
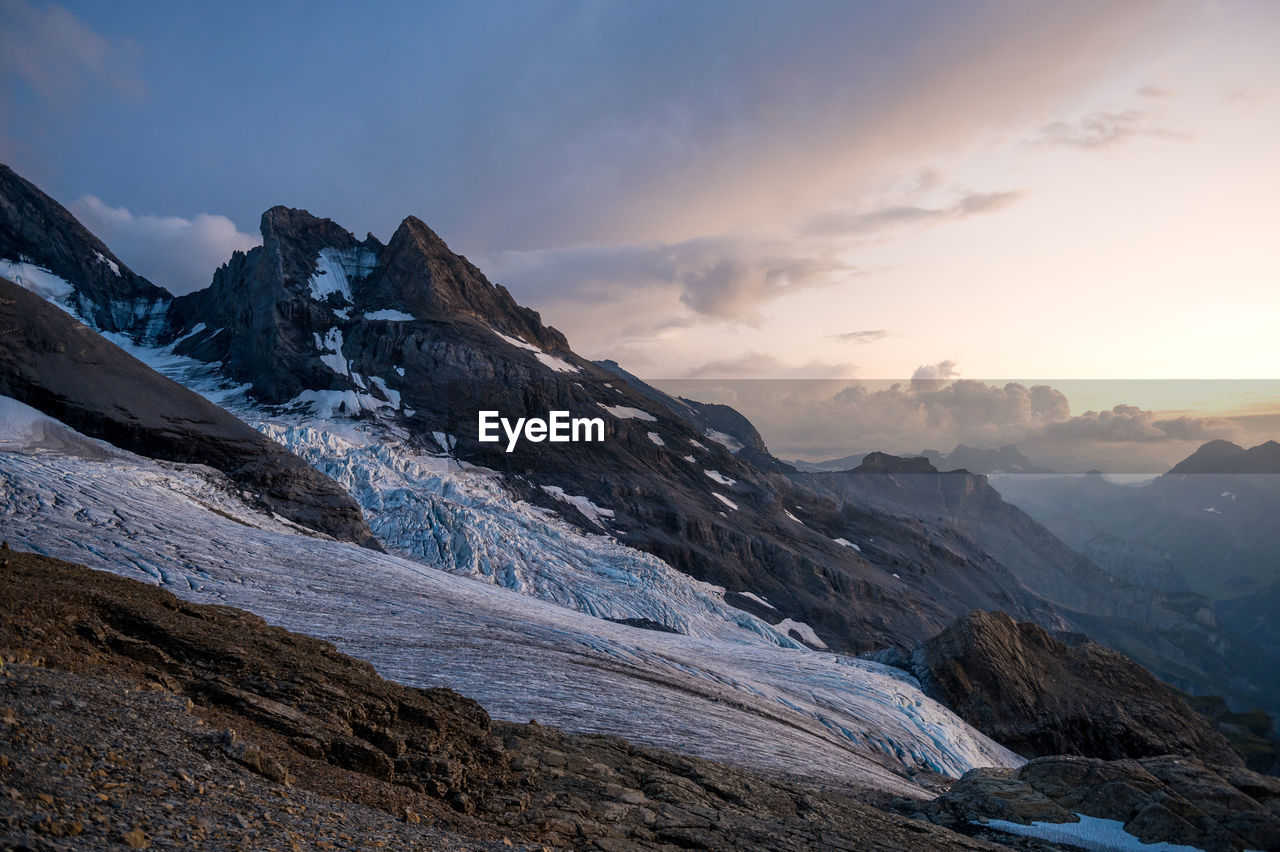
<point>290,226</point>
<point>419,273</point>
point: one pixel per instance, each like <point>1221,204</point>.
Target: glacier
<point>730,689</point>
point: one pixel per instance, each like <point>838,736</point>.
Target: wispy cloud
<point>726,278</point>
<point>761,365</point>
<point>898,215</point>
<point>867,336</point>
<point>1104,130</point>
<point>55,53</point>
<point>1155,93</point>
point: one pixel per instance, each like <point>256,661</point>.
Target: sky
<point>1038,192</point>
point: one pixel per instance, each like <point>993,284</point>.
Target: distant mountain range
<point>1007,459</point>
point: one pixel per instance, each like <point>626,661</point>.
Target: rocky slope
<point>1041,696</point>
<point>1095,804</point>
<point>59,366</point>
<point>132,717</point>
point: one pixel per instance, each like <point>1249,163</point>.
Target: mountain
<point>61,367</point>
<point>73,265</point>
<point>411,340</point>
<point>1207,524</point>
<point>371,361</point>
<point>1043,696</point>
<point>1226,457</point>
<point>1007,459</point>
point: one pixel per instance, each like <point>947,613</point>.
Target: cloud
<point>1103,130</point>
<point>826,417</point>
<point>860,337</point>
<point>898,215</point>
<point>939,372</point>
<point>1155,93</point>
<point>726,278</point>
<point>1131,424</point>
<point>760,365</point>
<point>178,254</point>
<point>53,52</point>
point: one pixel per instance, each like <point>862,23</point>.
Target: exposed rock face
<point>106,292</point>
<point>59,366</point>
<point>1039,696</point>
<point>1158,799</point>
<point>282,720</point>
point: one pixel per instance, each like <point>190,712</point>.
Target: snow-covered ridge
<point>732,697</point>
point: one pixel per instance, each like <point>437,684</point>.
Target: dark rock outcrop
<point>62,368</point>
<point>1158,799</point>
<point>1040,696</point>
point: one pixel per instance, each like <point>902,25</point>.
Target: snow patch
<point>38,280</point>
<point>111,264</point>
<point>326,404</point>
<point>793,517</point>
<point>690,459</point>
<point>390,393</point>
<point>336,269</point>
<point>331,346</point>
<point>657,439</point>
<point>725,500</point>
<point>729,442</point>
<point>804,631</point>
<point>623,412</point>
<point>593,513</point>
<point>757,599</point>
<point>1092,833</point>
<point>846,543</point>
<point>390,316</point>
<point>720,478</point>
<point>551,361</point>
